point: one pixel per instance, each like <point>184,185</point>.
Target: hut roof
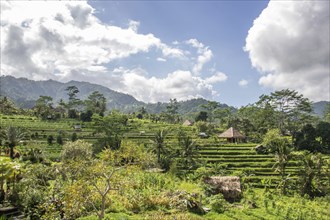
<point>231,133</point>
<point>187,123</point>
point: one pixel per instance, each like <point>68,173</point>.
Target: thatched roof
<point>187,123</point>
<point>229,186</point>
<point>231,133</point>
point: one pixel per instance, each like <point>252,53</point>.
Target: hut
<point>187,123</point>
<point>232,135</point>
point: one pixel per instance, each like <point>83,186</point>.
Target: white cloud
<point>160,59</point>
<point>204,55</point>
<point>217,77</point>
<point>179,84</point>
<point>64,40</point>
<point>289,44</point>
<point>41,38</point>
<point>243,83</point>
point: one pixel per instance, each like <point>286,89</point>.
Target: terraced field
<point>239,159</point>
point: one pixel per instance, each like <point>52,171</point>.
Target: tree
<point>211,106</point>
<point>291,109</point>
<point>111,127</point>
<point>171,113</point>
<point>96,102</point>
<point>86,116</point>
<point>187,152</point>
<point>273,140</point>
<point>59,139</point>
<point>74,102</point>
<point>323,131</point>
<point>158,142</point>
<point>311,175</point>
<point>282,157</point>
<point>7,107</point>
<point>202,116</point>
<point>224,115</point>
<point>44,107</point>
<point>305,139</point>
<point>50,139</point>
<point>12,136</point>
<point>78,150</point>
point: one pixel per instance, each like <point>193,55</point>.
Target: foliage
<point>158,143</point>
<point>12,136</point>
<point>202,116</point>
<point>273,140</point>
<point>78,150</point>
<point>290,109</point>
<point>112,128</point>
<point>7,107</point>
<point>50,139</point>
<point>96,103</point>
<point>311,178</point>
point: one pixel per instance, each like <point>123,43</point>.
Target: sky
<point>227,51</point>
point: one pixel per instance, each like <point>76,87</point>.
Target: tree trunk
<point>11,146</point>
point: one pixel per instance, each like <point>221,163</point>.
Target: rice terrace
<point>117,110</point>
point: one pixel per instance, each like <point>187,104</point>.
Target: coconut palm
<point>282,157</point>
<point>12,136</point>
<point>158,142</point>
<point>188,150</point>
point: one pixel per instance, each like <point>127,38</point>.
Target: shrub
<point>78,150</point>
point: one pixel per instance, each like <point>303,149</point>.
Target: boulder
<point>228,186</point>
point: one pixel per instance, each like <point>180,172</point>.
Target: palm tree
<point>188,150</point>
<point>282,157</point>
<point>159,143</point>
<point>12,136</point>
<point>311,175</point>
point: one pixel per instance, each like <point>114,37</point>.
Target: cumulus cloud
<point>243,83</point>
<point>204,55</point>
<point>179,84</point>
<point>64,40</point>
<point>289,44</point>
<point>46,37</point>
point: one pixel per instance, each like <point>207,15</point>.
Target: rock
<point>228,186</point>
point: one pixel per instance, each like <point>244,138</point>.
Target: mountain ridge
<point>24,92</point>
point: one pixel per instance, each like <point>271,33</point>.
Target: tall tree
<point>172,110</point>
<point>96,102</point>
<point>211,106</point>
<point>7,106</point>
<point>158,142</point>
<point>44,107</point>
<point>74,102</point>
<point>111,129</point>
<point>291,109</point>
<point>187,152</point>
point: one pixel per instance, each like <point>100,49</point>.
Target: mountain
<point>25,92</point>
<point>320,107</point>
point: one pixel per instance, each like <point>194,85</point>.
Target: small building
<point>77,127</point>
<point>187,123</point>
<point>232,135</point>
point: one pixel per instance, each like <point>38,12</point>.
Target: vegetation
<point>75,160</point>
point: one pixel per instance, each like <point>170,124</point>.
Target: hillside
<point>25,92</point>
<point>319,107</point>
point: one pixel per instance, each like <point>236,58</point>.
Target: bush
<point>50,139</point>
<point>78,150</point>
<point>218,203</point>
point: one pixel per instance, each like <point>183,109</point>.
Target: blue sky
<point>227,51</point>
<point>221,25</point>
